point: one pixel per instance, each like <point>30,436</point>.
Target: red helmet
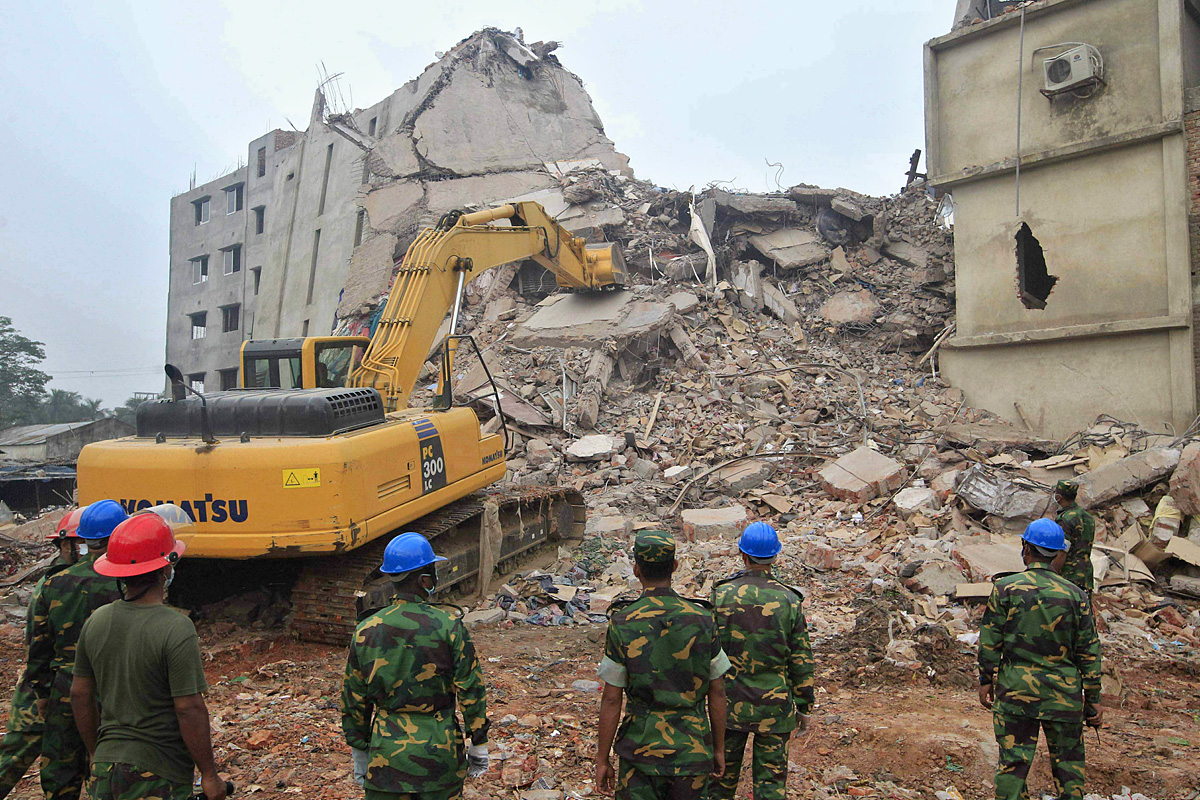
<point>140,544</point>
<point>68,526</point>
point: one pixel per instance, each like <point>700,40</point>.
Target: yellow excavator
<point>317,457</point>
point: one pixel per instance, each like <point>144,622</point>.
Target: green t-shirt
<point>141,657</point>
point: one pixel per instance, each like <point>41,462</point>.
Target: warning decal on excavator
<point>433,460</point>
<point>306,478</point>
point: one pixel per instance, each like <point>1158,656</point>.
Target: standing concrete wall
<point>1102,188</point>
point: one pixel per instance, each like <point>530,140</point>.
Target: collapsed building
<point>310,226</point>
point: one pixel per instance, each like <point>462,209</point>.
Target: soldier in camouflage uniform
<point>409,665</point>
<point>22,743</point>
<point>1039,667</point>
<point>770,680</point>
<point>1080,528</point>
<point>67,600</point>
<point>662,652</point>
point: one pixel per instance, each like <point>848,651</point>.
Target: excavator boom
<point>444,259</point>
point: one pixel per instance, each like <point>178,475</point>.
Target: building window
<point>1034,281</point>
<point>199,324</point>
<point>201,207</point>
<point>358,226</point>
<point>260,219</point>
<point>233,259</point>
<point>230,317</point>
<point>233,198</point>
<point>229,379</point>
<point>371,126</point>
<point>257,279</point>
<point>196,380</point>
<point>199,269</point>
<point>262,162</point>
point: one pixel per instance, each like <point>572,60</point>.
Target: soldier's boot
<point>1065,742</point>
<point>634,784</point>
<point>1017,738</point>
<point>18,751</point>
<point>64,756</point>
<point>771,765</point>
<point>725,787</point>
<point>127,782</point>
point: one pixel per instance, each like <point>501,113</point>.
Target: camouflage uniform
<point>67,600</point>
<point>1038,647</point>
<point>127,782</point>
<point>1080,528</point>
<point>408,665</point>
<point>770,681</point>
<point>663,651</point>
<point>22,743</point>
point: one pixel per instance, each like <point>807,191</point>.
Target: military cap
<point>654,547</point>
<point>1066,488</point>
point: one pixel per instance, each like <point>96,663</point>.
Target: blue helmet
<point>1045,533</point>
<point>407,552</point>
<point>759,540</point>
<point>99,519</point>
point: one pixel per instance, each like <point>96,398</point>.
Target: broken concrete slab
<point>821,558</point>
<point>1125,475</point>
<point>850,308</point>
<point>487,616</point>
<point>1185,482</point>
<point>752,204</point>
<point>1184,550</point>
<point>986,560</point>
<point>791,248</point>
<point>991,491</point>
<point>683,302</point>
<point>538,453</point>
<point>595,447</point>
<point>908,254</point>
<point>861,475</point>
<point>703,524</point>
<point>1000,435</point>
<point>576,320</point>
<point>839,262</point>
<point>677,474</point>
<point>938,578</point>
<point>812,195</point>
<point>608,526</point>
<point>744,476</point>
<point>915,499</point>
<point>850,209</point>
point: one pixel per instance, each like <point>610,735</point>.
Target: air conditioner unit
<point>1073,69</point>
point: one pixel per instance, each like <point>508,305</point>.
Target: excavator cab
<point>312,362</point>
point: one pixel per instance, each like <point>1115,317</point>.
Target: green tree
<point>93,408</point>
<point>128,412</point>
<point>22,384</point>
<point>63,406</point>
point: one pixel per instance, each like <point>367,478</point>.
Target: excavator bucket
<point>608,263</point>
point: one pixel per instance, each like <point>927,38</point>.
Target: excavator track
<point>330,589</point>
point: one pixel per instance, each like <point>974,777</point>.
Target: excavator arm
<point>440,263</point>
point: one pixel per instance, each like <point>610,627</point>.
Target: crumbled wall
<point>478,127</point>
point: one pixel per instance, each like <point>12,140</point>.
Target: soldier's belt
<point>428,705</point>
<point>640,709</point>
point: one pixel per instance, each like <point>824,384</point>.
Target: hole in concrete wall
<point>1034,281</point>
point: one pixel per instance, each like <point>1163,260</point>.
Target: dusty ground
<point>277,727</point>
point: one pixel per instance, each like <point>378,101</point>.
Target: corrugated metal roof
<point>36,434</point>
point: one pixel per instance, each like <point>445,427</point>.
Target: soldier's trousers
<point>18,751</point>
<point>635,784</point>
<point>1018,738</point>
<point>127,782</point>
<point>441,794</point>
<point>64,756</point>
<point>769,765</point>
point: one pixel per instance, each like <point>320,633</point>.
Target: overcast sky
<point>110,106</point>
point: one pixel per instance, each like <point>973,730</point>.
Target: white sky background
<point>109,106</point>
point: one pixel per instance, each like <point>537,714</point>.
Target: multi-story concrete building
<point>266,251</point>
<point>1062,131</point>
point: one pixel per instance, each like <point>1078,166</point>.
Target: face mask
<point>433,587</point>
<point>83,548</point>
<point>170,577</point>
